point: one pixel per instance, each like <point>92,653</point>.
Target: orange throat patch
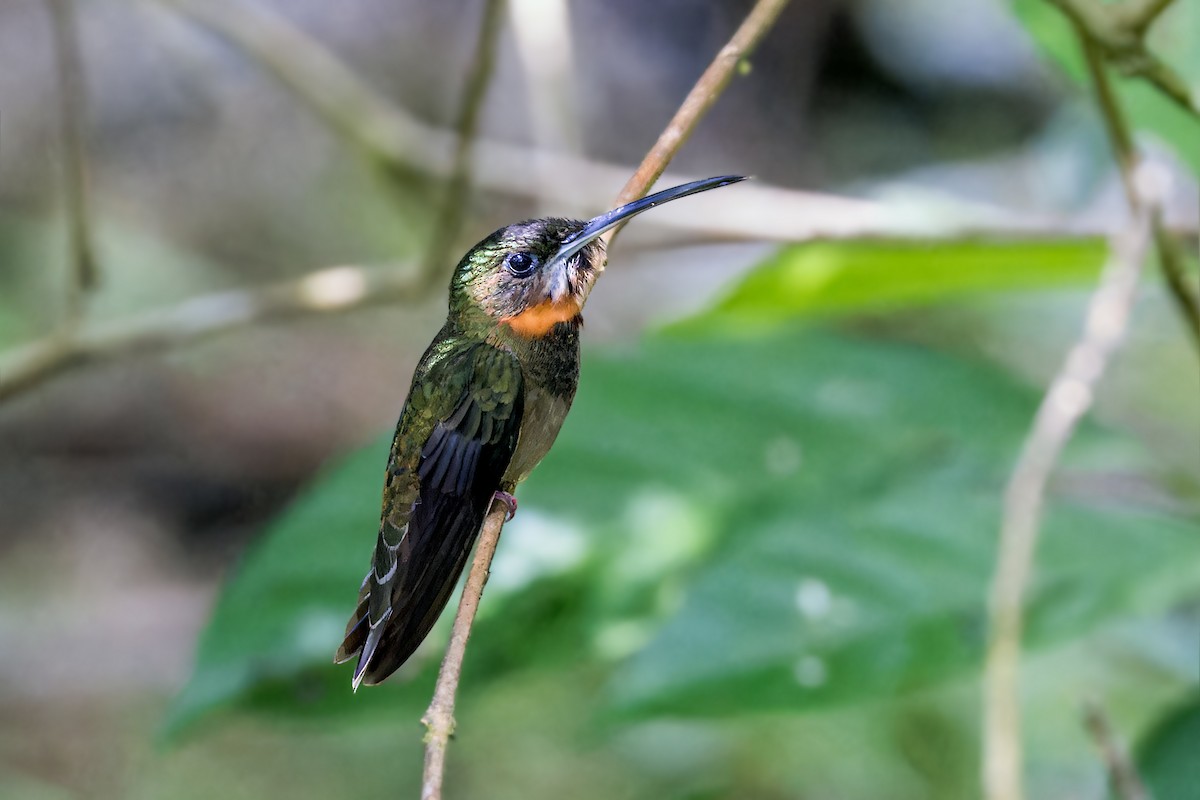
<point>538,320</point>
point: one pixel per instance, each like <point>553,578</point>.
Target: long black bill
<point>611,219</point>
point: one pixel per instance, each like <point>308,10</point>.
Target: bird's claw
<point>508,500</point>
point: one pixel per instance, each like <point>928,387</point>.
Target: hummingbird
<point>487,400</point>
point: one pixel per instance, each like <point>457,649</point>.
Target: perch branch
<point>1122,774</point>
<point>439,718</point>
<point>72,98</point>
<point>448,225</point>
<point>1066,401</point>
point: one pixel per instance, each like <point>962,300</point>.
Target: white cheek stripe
<point>558,284</point>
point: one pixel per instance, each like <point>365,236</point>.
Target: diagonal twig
<point>72,99</point>
<point>1122,773</point>
<point>1119,30</point>
<point>387,134</point>
<point>1066,401</point>
<point>1182,293</point>
<point>439,718</point>
<point>706,91</point>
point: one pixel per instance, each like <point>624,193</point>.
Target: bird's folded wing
<point>457,434</point>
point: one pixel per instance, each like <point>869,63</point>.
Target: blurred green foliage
<point>741,515</point>
<point>755,563</point>
<point>1166,757</point>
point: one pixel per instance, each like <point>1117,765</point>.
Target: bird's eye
<point>520,263</point>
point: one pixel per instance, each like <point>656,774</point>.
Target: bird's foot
<point>508,500</point>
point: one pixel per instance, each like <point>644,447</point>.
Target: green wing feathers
<point>456,436</point>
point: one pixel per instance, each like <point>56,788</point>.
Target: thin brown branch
<point>1122,774</point>
<point>1069,397</point>
<point>387,134</point>
<point>448,225</point>
<point>1185,297</point>
<point>439,718</point>
<point>706,91</point>
<point>326,291</point>
<point>72,99</point>
<point>1119,30</point>
<point>1141,14</point>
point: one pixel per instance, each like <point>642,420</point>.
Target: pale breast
<point>540,423</point>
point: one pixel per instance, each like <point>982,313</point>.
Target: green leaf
<point>293,592</point>
<point>864,573</point>
<point>1172,38</point>
<point>836,501</point>
<point>1167,759</point>
<point>831,277</point>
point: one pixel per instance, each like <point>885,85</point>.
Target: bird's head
<point>535,274</point>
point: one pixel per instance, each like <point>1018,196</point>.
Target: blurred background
<point>754,565</point>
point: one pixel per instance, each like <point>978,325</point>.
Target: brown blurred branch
<point>72,99</point>
<point>448,225</point>
<point>1122,774</point>
<point>1069,397</point>
<point>1119,31</point>
<point>1184,295</point>
<point>388,135</point>
<point>439,719</point>
<point>326,291</point>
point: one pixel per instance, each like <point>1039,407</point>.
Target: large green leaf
<point>288,601</point>
<point>833,277</point>
<point>863,573</point>
<point>836,500</point>
<point>1167,757</point>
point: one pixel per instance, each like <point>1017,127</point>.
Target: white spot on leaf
<point>813,598</point>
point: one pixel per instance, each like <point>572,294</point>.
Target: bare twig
<point>72,97</point>
<point>326,291</point>
<point>1122,773</point>
<point>706,91</point>
<point>1183,294</point>
<point>387,134</point>
<point>439,718</point>
<point>1119,30</point>
<point>1067,400</point>
<point>1139,15</point>
<point>454,202</point>
<point>1069,397</point>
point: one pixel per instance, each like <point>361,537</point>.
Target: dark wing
<point>456,437</point>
